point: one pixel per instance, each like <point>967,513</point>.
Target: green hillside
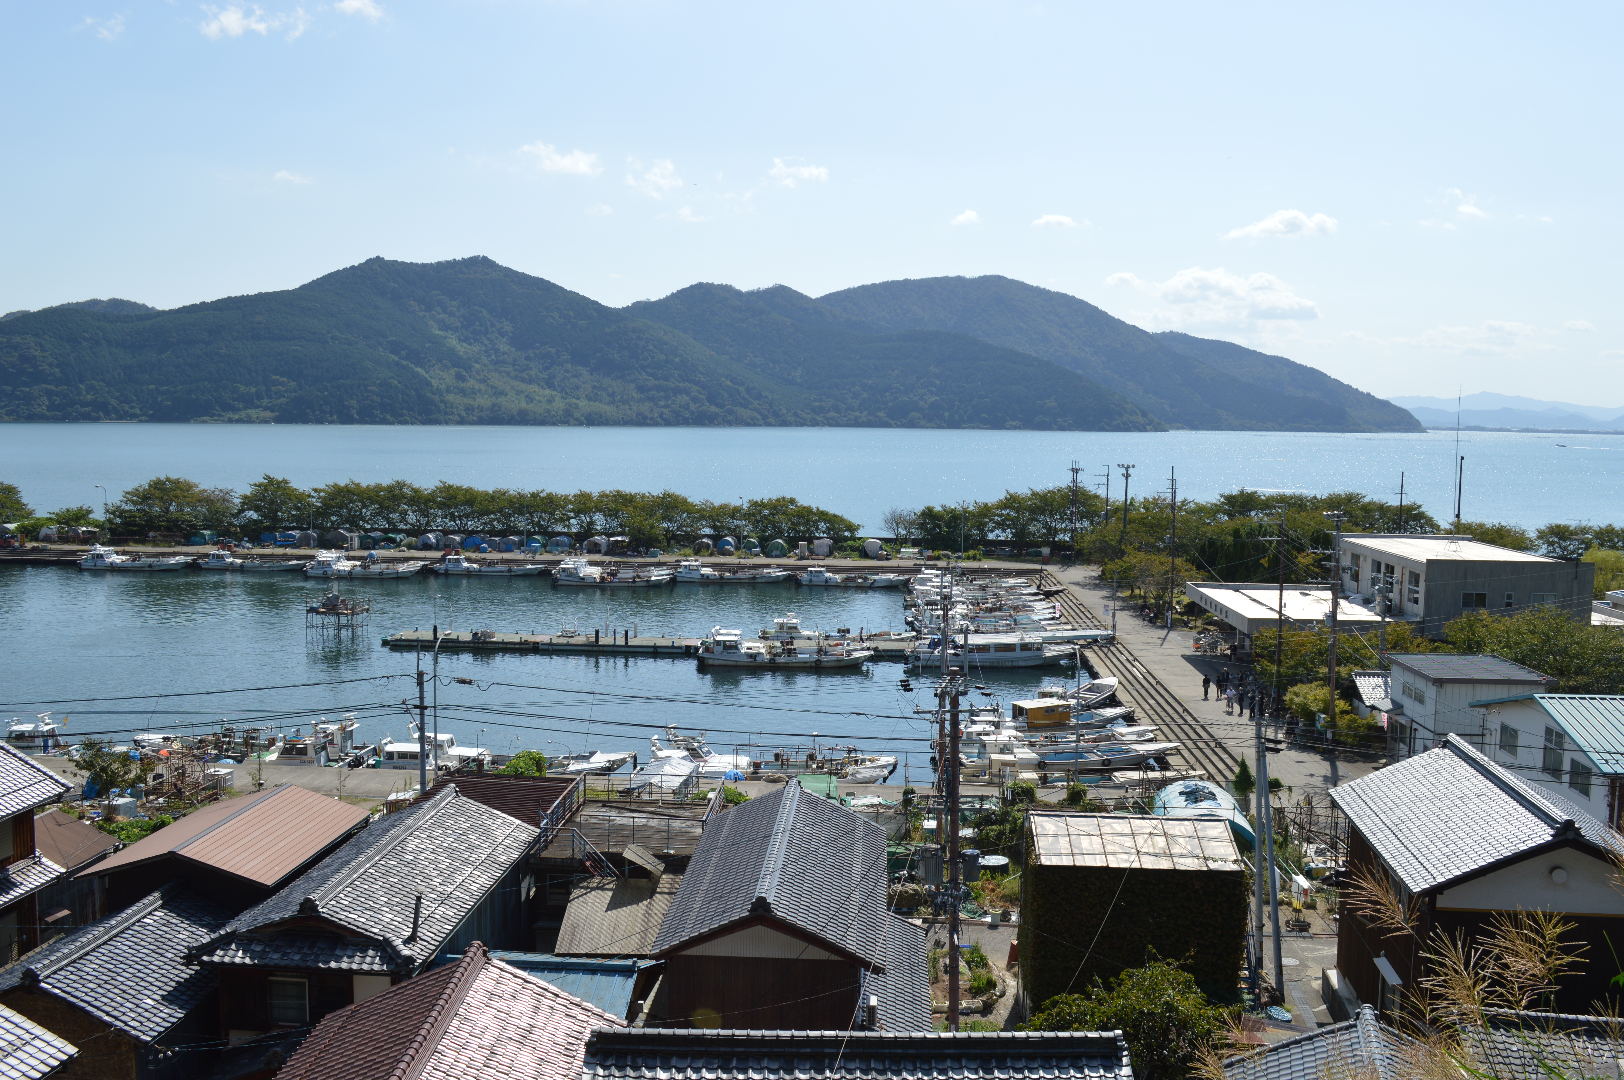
<point>1179,383</point>
<point>869,378</point>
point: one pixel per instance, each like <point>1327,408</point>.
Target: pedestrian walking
<point>1229,700</point>
<point>1206,684</point>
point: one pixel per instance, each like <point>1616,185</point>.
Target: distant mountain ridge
<point>1540,420</point>
<point>1485,401</point>
<point>470,341</point>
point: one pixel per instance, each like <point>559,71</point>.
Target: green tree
<point>1308,701</point>
<point>1244,783</point>
<point>526,763</point>
<point>81,516</point>
<point>1562,541</point>
<point>12,507</point>
<point>172,504</point>
<point>1583,659</point>
<point>1609,569</point>
<point>108,767</point>
<point>273,503</point>
<point>1499,533</point>
<point>1167,1021</point>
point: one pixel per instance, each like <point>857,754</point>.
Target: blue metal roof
<point>608,984</point>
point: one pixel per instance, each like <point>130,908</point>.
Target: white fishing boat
<point>1094,692</point>
<point>671,775</point>
<point>41,735</point>
<point>990,651</point>
<point>220,559</point>
<point>820,575</point>
<point>281,566</point>
<point>618,577</point>
<point>692,570</point>
<point>335,564</point>
<point>711,764</point>
<point>729,648</point>
<point>867,768</point>
<point>105,558</point>
<point>576,571</point>
<point>596,763</point>
<point>787,627</point>
<point>772,575</point>
<point>330,564</point>
<point>1062,757</point>
<point>443,752</point>
<point>462,565</point>
<point>329,743</point>
<point>393,754</point>
<point>101,558</point>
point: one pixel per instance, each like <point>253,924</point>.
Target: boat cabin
<point>1041,712</point>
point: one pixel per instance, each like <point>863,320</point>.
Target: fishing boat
<point>328,743</point>
<point>444,753</point>
<point>1106,757</point>
<point>866,768</point>
<point>692,570</point>
<point>728,648</point>
<point>672,776</point>
<point>105,558</point>
<point>576,571</point>
<point>462,565</point>
<point>711,764</point>
<point>771,575</point>
<point>280,566</point>
<point>101,558</point>
<point>374,567</point>
<point>820,575</point>
<point>329,564</point>
<point>393,754</point>
<point>1094,692</point>
<point>42,735</point>
<point>989,651</point>
<point>1203,799</point>
<point>617,577</point>
<point>596,763</point>
<point>220,559</point>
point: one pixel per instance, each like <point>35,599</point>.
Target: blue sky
<point>1413,201</point>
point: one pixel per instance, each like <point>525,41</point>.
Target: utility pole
<point>422,722</point>
<point>1401,502</point>
<point>956,878</point>
<point>1265,817</point>
<point>1076,509</point>
<point>1337,517</point>
<point>1107,475</point>
<point>1127,470</point>
<point>1172,543</point>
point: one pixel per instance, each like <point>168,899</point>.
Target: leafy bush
<point>732,796</point>
<point>976,957</point>
<point>109,768</point>
<point>982,981</point>
<point>1244,783</point>
<point>132,830</point>
<point>1078,798</point>
<point>526,763</point>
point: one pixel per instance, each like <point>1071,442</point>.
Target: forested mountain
<point>474,342</point>
<point>1182,381</point>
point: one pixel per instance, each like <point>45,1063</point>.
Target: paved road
<point>1172,659</point>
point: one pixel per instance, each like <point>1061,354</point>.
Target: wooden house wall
<point>245,995</point>
<point>742,992</point>
<point>104,1052</point>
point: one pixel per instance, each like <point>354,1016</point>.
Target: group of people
<point>1242,693</point>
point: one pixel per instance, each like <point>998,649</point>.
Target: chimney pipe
<point>417,917</point>
<point>871,1018</point>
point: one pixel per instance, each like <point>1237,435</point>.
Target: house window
<point>1555,745</point>
<point>1579,777</point>
<point>290,1001</point>
<point>1353,569</point>
<point>1414,693</point>
<point>1474,599</point>
<point>1508,740</point>
<point>1511,599</point>
<point>1542,598</point>
<point>1413,591</point>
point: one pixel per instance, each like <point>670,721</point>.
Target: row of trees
<point>175,505</point>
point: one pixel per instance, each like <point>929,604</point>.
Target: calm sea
<point>99,647</point>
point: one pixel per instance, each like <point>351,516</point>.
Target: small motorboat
<point>596,763</point>
<point>728,648</point>
<point>692,570</point>
<point>462,565</point>
<point>220,559</point>
<point>42,735</point>
<point>105,558</point>
<point>769,576</point>
<point>1203,799</point>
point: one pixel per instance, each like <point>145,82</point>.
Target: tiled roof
<point>1466,667</point>
<point>1374,688</point>
<point>527,798</point>
<point>450,850</point>
<point>475,1019</point>
<point>25,783</point>
<point>307,950</point>
<point>129,970</point>
<point>1449,812</point>
<point>615,916</point>
<point>28,1051</point>
<point>26,876</point>
<point>261,838</point>
<point>1594,722</point>
<point>904,988</point>
<point>807,861</point>
<point>1539,1046</point>
<point>692,1054</point>
<point>1362,1047</point>
<point>68,841</point>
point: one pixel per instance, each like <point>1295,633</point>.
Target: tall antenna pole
<point>1127,470</point>
<point>1400,502</point>
<point>1265,818</point>
<point>1460,484</point>
<point>1460,462</point>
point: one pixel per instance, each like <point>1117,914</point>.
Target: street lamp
<point>104,503</point>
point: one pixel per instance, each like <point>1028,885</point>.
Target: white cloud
<point>789,175</point>
<point>1578,326</point>
<point>1495,338</point>
<point>1218,297</point>
<point>1466,205</point>
<point>1059,221</point>
<point>658,180</point>
<point>1285,223</point>
<point>601,210</point>
<point>292,178</point>
<point>239,19</point>
<point>576,162</point>
<point>687,213</point>
<point>969,217</point>
<point>367,9</point>
<point>107,29</point>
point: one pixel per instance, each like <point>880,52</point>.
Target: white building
<point>1572,744</point>
<point>1432,695</point>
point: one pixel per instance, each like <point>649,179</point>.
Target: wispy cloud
<point>1058,221</point>
<point>1285,223</point>
<point>1217,297</point>
<point>969,217</point>
<point>601,210</point>
<point>687,213</point>
<point>236,20</point>
<point>657,180</point>
<point>1494,338</point>
<point>1578,326</point>
<point>548,159</point>
<point>790,175</point>
<point>107,29</point>
<point>287,177</point>
<point>366,9</point>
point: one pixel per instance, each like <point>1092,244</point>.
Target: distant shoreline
<point>1534,431</point>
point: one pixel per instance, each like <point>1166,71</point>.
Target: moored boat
<point>692,570</point>
<point>1203,799</point>
<point>220,559</point>
<point>462,565</point>
<point>42,735</point>
<point>729,648</point>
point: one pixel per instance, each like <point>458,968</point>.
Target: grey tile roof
<point>27,876</point>
<point>28,1051</point>
<point>1466,667</point>
<point>129,970</point>
<point>1538,1046</point>
<point>1449,812</point>
<point>25,784</point>
<point>904,988</point>
<point>805,860</point>
<point>1361,1047</point>
<point>293,949</point>
<point>449,849</point>
<point>1374,688</point>
<point>691,1054</point>
<point>1594,722</point>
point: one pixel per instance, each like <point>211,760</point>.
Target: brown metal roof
<point>524,797</point>
<point>262,837</point>
<point>69,842</point>
<point>615,916</point>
